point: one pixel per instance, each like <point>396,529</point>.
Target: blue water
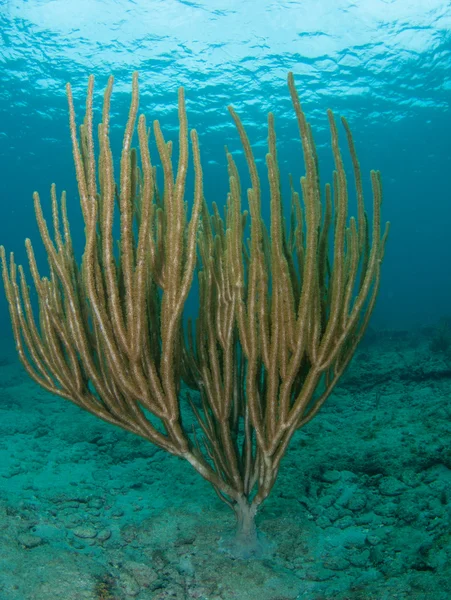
<point>384,64</point>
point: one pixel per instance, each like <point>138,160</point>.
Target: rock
<point>29,541</point>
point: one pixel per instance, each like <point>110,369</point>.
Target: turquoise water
<point>386,66</point>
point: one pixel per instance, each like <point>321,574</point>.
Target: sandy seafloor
<point>361,509</point>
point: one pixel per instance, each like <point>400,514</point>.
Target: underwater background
<point>362,506</point>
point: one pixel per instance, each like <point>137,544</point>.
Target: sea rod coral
<point>279,315</point>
